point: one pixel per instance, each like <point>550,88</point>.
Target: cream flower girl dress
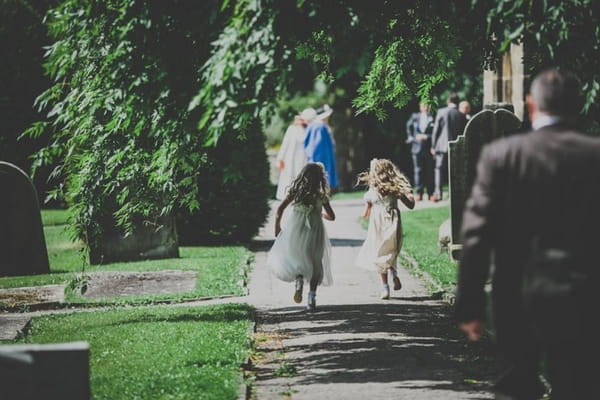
<point>302,247</point>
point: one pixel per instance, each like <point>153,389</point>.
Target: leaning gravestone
<point>148,241</point>
<point>493,122</point>
<point>48,371</point>
<point>22,244</point>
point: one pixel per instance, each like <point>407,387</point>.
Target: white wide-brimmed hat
<point>308,114</point>
<point>324,111</point>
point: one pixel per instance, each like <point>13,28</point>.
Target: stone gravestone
<point>494,121</point>
<point>148,241</point>
<point>22,244</point>
<point>48,371</point>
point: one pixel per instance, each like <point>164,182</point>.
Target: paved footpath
<point>356,346</point>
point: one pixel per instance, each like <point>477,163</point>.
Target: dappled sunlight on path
<point>356,346</point>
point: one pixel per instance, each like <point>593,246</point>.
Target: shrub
<point>224,215</point>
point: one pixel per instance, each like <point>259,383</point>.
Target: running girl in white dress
<point>380,250</point>
<point>302,250</point>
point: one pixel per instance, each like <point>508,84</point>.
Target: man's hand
<point>281,165</point>
<point>473,329</point>
<point>432,151</point>
<point>421,137</point>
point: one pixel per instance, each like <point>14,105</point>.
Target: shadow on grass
<point>224,313</point>
<point>415,345</point>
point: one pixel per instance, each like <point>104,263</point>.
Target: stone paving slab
<point>108,284</point>
<point>34,297</point>
<point>11,325</point>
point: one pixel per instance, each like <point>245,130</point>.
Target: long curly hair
<point>309,185</point>
<point>385,178</point>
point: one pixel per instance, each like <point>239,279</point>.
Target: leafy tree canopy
<point>142,90</point>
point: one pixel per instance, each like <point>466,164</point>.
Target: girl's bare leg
<point>312,294</point>
<point>385,293</point>
<point>299,287</point>
<point>397,283</point>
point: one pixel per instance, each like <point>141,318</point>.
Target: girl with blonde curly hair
<point>380,249</point>
<point>301,251</point>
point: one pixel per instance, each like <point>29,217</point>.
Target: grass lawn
<point>219,269</point>
<point>159,353</point>
<point>421,242</point>
<point>349,195</point>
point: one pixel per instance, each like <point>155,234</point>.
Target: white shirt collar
<point>545,120</point>
<point>451,105</point>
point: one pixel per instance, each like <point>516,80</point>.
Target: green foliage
<point>232,211</point>
<point>241,72</point>
<point>555,33</point>
<point>129,148</point>
<point>395,78</point>
<point>118,126</point>
<point>174,353</point>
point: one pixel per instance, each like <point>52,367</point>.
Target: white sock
<point>386,286</point>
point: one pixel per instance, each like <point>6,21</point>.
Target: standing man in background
<point>418,134</point>
<point>449,123</point>
<point>465,108</point>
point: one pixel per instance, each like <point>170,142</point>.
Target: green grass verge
<point>421,243</point>
<point>55,217</point>
<point>348,195</point>
<point>219,272</point>
<point>219,269</point>
<point>160,353</point>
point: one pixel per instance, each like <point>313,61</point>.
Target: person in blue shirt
<point>319,144</point>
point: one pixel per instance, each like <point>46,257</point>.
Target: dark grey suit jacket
<point>449,123</point>
<point>413,128</point>
<point>544,184</point>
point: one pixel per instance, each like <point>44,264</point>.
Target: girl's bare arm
<point>408,200</point>
<point>328,214</point>
<point>279,213</point>
<point>367,210</point>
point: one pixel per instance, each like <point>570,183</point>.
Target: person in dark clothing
<point>449,123</point>
<point>534,211</point>
<point>418,134</point>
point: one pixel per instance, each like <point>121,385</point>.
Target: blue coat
<point>318,146</point>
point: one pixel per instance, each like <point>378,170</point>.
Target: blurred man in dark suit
<point>418,134</point>
<point>449,123</point>
<point>534,211</point>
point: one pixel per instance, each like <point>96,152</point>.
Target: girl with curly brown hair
<point>301,251</point>
<point>380,250</point>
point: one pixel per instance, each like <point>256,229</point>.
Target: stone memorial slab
<point>45,371</point>
<point>118,284</point>
<point>148,241</point>
<point>494,122</point>
<point>22,244</point>
<point>11,325</point>
<point>35,297</point>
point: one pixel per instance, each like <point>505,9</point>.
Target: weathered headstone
<point>48,371</point>
<point>495,121</point>
<point>148,241</point>
<point>22,244</point>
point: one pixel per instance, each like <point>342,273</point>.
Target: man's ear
<point>531,108</point>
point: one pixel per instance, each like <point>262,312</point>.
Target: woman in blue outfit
<point>319,144</point>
